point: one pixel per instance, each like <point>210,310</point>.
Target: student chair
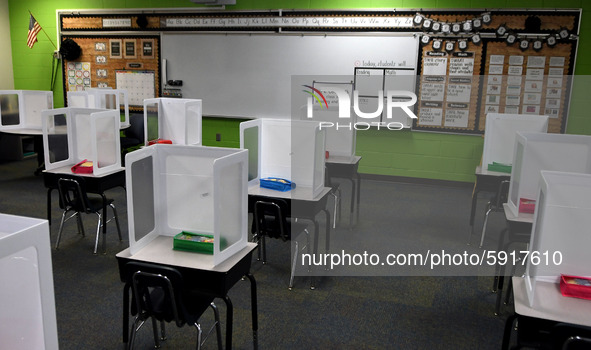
<point>159,294</point>
<point>73,198</point>
<point>270,220</point>
<point>495,204</point>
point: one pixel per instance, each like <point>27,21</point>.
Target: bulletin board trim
<point>385,20</point>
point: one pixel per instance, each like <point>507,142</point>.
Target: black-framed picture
<point>115,48</point>
<point>147,48</point>
<point>129,48</point>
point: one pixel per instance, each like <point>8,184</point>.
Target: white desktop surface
<point>550,304</point>
<point>23,131</point>
<point>160,251</point>
<point>343,159</point>
<point>68,170</point>
<point>522,217</point>
<point>298,193</point>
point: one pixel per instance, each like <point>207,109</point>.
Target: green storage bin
<point>193,242</point>
<point>500,167</point>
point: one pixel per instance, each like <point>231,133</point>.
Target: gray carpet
<point>375,308</point>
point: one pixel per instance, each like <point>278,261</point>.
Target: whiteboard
<point>250,75</point>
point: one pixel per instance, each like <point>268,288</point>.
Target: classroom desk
<point>518,230</point>
<point>301,202</point>
<point>549,305</point>
<point>347,168</point>
<point>94,184</point>
<point>487,181</point>
<point>198,274</point>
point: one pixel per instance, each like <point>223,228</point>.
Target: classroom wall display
<point>103,56</point>
<point>466,62</point>
<point>140,85</point>
<point>528,82</point>
<point>448,88</point>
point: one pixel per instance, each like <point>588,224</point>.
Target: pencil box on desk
<point>527,205</point>
<point>193,242</point>
<point>84,167</point>
<point>278,184</point>
<point>500,167</point>
<point>575,286</point>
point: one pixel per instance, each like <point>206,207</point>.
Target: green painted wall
<point>407,153</point>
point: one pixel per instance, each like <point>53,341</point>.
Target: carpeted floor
<point>369,307</point>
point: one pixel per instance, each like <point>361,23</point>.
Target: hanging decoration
<point>462,44</point>
<point>425,39</point>
<point>510,39</point>
<point>468,30</point>
<point>436,44</point>
<point>449,46</point>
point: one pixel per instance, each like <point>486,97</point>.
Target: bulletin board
<point>103,57</point>
<point>528,82</point>
<point>515,67</point>
<point>449,88</point>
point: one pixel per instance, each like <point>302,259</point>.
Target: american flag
<point>34,28</point>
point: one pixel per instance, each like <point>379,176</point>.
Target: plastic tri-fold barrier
<point>560,238</point>
<point>175,119</point>
<point>27,299</point>
<point>21,109</point>
<point>540,151</point>
<point>72,135</point>
<point>499,137</point>
<point>176,188</point>
<point>103,98</point>
<point>282,148</point>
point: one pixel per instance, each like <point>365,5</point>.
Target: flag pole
<point>51,41</point>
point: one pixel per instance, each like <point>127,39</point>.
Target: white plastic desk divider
<point>289,149</point>
<point>178,120</point>
<point>171,188</point>
<point>27,299</point>
<point>91,134</point>
<point>103,98</point>
<point>540,151</point>
<point>500,133</point>
<point>561,227</point>
<point>340,135</point>
<point>27,104</point>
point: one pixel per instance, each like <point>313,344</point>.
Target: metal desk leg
<point>358,196</point>
<point>49,205</point>
<point>104,222</point>
<point>125,312</point>
<point>327,241</point>
<point>254,310</point>
<point>507,331</point>
<point>473,212</point>
<point>229,320</point>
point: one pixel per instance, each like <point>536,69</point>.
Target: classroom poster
<point>78,76</point>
